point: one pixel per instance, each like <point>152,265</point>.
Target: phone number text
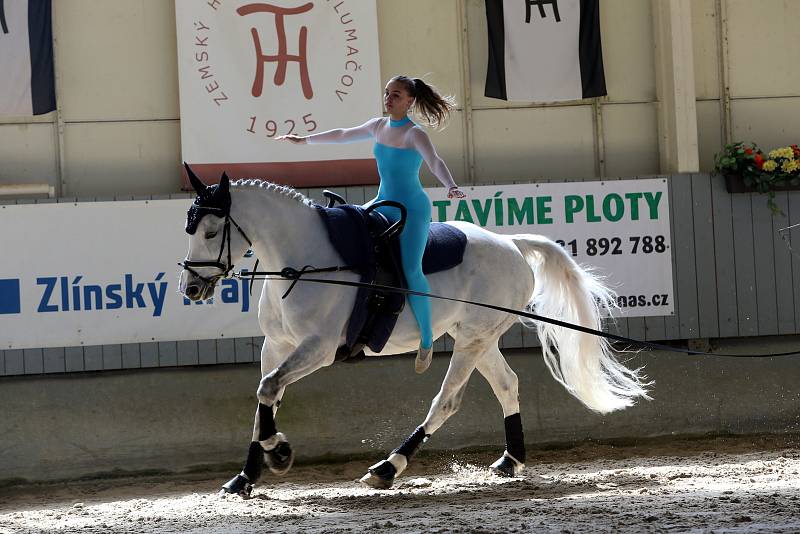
<point>613,246</point>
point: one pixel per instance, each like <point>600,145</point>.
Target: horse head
<point>212,243</point>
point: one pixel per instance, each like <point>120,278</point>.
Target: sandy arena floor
<point>749,484</point>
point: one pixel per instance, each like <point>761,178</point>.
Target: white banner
<point>105,272</point>
<point>620,228</point>
<point>249,72</point>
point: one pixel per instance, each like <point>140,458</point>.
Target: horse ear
<point>224,183</point>
<point>199,187</point>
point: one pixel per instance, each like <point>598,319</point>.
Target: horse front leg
<point>446,403</point>
<point>273,353</point>
<point>268,446</point>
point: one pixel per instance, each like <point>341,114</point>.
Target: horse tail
<point>583,363</point>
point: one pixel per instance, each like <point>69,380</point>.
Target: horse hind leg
<point>445,404</point>
<point>505,384</point>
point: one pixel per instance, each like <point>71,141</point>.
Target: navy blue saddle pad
<point>349,233</point>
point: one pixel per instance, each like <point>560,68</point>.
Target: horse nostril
<point>192,291</point>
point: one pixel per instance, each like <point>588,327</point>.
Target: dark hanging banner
<point>544,50</point>
<point>27,84</point>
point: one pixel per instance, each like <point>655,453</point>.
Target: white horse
<point>303,332</point>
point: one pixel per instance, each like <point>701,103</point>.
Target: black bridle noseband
<point>224,268</point>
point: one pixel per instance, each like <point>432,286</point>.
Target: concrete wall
<point>179,419</point>
<point>117,131</point>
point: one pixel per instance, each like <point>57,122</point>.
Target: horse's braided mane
<point>282,190</point>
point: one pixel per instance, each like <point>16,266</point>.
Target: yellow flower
<point>770,165</point>
<point>789,165</point>
<point>784,152</point>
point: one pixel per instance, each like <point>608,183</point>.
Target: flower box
<point>747,170</point>
<point>734,183</point>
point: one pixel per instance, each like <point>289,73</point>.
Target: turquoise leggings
<point>412,245</point>
<point>399,171</point>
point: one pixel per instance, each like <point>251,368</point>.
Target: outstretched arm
<point>338,135</point>
<point>422,143</point>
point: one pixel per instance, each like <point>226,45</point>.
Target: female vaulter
<point>400,147</point>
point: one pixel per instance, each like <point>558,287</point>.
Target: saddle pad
<point>348,232</point>
<point>444,249</point>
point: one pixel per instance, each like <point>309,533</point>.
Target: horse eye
<point>211,235</point>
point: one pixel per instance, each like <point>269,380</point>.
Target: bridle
<point>224,269</point>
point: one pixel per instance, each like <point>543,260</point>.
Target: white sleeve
<point>346,135</point>
<point>422,143</point>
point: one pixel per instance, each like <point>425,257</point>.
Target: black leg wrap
<point>255,461</point>
<point>515,440</point>
<point>242,484</point>
<point>412,443</point>
<point>266,422</point>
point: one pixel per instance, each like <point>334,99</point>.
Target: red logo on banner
<point>282,57</point>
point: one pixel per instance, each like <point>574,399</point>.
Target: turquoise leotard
<point>399,172</point>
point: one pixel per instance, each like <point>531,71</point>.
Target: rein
<point>289,273</point>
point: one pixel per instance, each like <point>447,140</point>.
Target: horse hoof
<point>280,459</point>
<point>380,475</point>
<point>238,485</point>
<point>507,466</point>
